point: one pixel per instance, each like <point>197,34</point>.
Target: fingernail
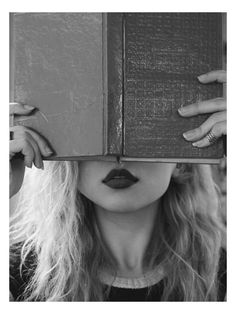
<point>182,110</point>
<point>197,144</point>
<point>202,77</point>
<point>28,107</point>
<point>48,151</point>
<point>188,135</point>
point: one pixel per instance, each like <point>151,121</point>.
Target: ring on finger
<point>211,137</point>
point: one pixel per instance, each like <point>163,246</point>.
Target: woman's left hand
<point>215,126</point>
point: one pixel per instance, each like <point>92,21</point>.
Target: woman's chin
<point>122,204</point>
<point>118,207</point>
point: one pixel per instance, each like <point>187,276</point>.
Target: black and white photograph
<point>117,149</point>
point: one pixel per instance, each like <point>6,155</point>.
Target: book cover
<point>57,67</point>
<point>164,54</point>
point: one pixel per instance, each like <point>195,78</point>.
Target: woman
<point>95,230</point>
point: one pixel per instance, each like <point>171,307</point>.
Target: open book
<point>111,84</point>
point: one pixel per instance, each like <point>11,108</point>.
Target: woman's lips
<point>119,179</point>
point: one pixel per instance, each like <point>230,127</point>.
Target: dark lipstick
<point>120,179</point>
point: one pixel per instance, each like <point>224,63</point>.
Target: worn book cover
<point>111,84</point>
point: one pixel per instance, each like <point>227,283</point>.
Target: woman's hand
<point>215,126</point>
<point>26,142</point>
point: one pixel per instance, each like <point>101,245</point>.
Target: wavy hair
<point>58,224</point>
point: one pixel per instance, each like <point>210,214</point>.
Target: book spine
<point>114,116</point>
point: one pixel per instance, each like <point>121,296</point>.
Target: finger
<point>41,142</point>
<point>23,146</point>
<point>205,127</point>
<point>22,134</point>
<point>213,76</point>
<point>20,109</point>
<point>37,155</point>
<point>218,130</point>
<point>206,106</point>
<point>20,131</point>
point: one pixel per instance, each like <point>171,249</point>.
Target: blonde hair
<point>57,223</point>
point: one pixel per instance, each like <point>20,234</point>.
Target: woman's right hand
<point>28,143</point>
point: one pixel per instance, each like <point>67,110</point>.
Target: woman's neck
<point>127,236</point>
